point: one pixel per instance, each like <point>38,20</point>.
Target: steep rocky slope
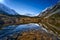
<point>51,19</point>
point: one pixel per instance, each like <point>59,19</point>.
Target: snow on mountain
<point>50,9</point>
<point>4,8</point>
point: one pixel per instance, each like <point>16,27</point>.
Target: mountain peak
<point>6,9</point>
<point>50,9</point>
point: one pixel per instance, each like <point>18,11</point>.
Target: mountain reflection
<point>15,32</point>
<point>12,29</point>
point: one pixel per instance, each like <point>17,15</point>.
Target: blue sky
<point>29,7</point>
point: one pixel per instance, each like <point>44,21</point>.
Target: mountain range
<point>50,18</point>
<point>50,10</point>
<point>6,10</point>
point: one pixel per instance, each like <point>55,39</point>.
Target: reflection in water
<point>10,30</point>
<point>13,30</point>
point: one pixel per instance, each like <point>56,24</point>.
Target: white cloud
<point>28,13</point>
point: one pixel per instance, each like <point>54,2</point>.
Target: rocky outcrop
<point>51,19</point>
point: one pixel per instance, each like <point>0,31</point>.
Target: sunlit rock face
<point>51,19</point>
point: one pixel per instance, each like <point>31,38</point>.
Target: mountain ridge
<point>7,10</point>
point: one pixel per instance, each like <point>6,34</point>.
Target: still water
<point>13,30</point>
